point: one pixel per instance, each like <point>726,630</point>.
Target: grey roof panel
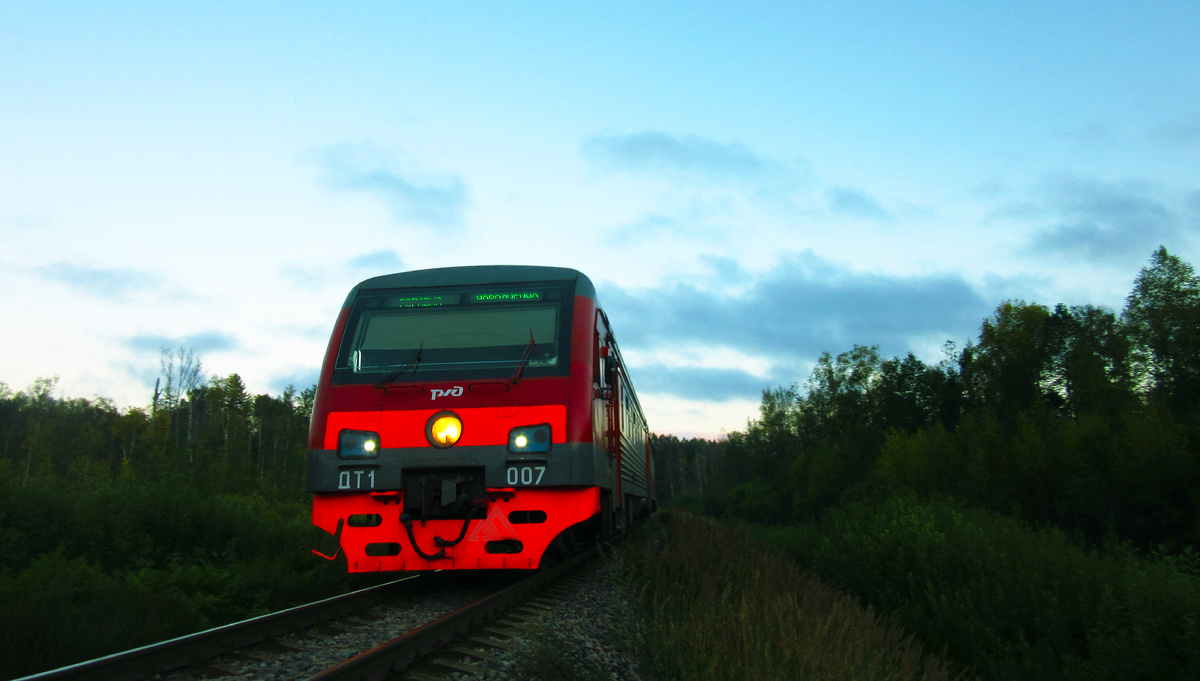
<point>476,275</point>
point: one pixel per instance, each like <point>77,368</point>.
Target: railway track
<point>505,646</point>
<point>398,653</point>
<point>157,658</point>
<point>242,648</point>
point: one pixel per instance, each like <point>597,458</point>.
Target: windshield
<point>401,335</point>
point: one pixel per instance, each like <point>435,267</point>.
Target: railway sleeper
<point>478,652</point>
<point>490,642</point>
<point>215,668</point>
<point>453,664</point>
<point>332,629</point>
<point>417,676</point>
<point>504,634</point>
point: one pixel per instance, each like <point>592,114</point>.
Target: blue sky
<point>748,185</point>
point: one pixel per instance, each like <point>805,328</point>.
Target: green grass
<point>62,610</point>
<point>1016,602</point>
<point>120,566</point>
<point>721,605</point>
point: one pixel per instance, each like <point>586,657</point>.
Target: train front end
<point>449,429</point>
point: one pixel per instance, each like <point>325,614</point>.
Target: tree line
<point>1072,416</point>
<point>208,431</point>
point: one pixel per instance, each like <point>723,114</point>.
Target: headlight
<point>444,429</point>
<point>529,439</point>
<point>358,444</point>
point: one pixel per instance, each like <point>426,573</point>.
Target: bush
<point>126,526</point>
<point>721,606</point>
<point>61,610</point>
<point>1018,603</point>
<point>755,502</point>
<point>123,565</point>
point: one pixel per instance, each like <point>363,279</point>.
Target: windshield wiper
<point>415,362</point>
<point>524,359</point>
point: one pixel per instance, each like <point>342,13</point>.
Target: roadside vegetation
<point>127,527</point>
<point>718,604</point>
<point>1013,601</point>
<point>1030,504</point>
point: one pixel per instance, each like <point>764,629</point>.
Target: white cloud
<point>658,152</point>
<point>414,195</point>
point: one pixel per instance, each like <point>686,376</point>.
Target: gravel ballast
<point>576,629</point>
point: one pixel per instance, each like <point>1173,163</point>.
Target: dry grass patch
<point>722,606</point>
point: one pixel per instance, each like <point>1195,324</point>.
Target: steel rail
<point>375,664</point>
<point>165,656</point>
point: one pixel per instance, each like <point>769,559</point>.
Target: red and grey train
<point>475,418</point>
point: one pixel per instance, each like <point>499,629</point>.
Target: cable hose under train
<point>406,519</point>
<point>461,535</point>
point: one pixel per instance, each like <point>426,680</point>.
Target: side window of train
<point>604,363</point>
<point>596,355</point>
<point>610,370</point>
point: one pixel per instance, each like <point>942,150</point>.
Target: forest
<point>1063,441</point>
<point>1071,416</point>
<point>1029,504</point>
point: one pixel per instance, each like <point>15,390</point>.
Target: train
<point>475,418</point>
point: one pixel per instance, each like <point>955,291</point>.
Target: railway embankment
<point>874,587</point>
<point>95,571</point>
<point>718,603</point>
<point>897,588</point>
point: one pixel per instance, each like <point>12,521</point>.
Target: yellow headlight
<point>444,429</point>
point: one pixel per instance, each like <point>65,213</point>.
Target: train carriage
<point>474,418</point>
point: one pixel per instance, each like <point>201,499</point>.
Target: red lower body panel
<point>513,516</point>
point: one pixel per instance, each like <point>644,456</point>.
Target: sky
<point>748,184</point>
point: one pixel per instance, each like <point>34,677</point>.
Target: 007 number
<point>525,475</point>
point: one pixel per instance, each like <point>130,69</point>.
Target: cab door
<point>607,413</point>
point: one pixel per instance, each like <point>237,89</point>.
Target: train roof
<point>476,275</point>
